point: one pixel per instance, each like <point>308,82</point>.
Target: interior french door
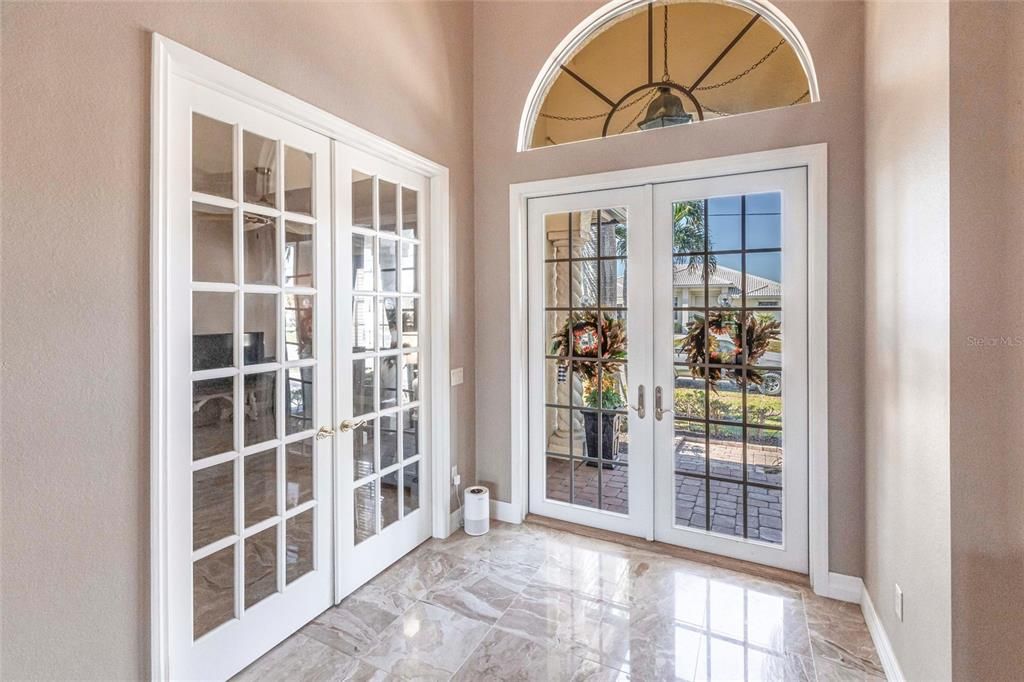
<point>383,474</point>
<point>730,366</point>
<point>590,448</point>
<point>249,367</point>
<point>674,408</point>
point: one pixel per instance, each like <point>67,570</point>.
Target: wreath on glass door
<point>730,333</point>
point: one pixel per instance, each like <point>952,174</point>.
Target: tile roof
<point>723,277</point>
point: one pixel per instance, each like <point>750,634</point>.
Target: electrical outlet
<point>456,376</point>
<point>897,602</point>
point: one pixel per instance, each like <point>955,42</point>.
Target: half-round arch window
<point>636,65</point>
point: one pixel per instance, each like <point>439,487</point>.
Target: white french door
<point>249,380</point>
<point>730,366</point>
<point>383,474</point>
<point>291,362</point>
<point>674,408</point>
<point>590,312</point>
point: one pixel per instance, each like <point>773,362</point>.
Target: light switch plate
<point>456,376</point>
<point>897,602</point>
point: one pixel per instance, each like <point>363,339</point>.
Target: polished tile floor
<point>532,603</point>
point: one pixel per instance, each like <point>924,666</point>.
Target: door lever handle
<point>348,425</point>
<point>658,412</point>
<point>640,411</point>
<point>324,432</point>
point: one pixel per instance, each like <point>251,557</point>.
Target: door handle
<point>324,432</point>
<point>658,412</point>
<point>640,411</point>
<point>348,425</point>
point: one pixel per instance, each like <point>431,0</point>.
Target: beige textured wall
<point>75,281</point>
<point>505,65</point>
<point>987,338</point>
<point>907,328</point>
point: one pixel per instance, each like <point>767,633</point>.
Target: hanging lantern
<point>666,110</point>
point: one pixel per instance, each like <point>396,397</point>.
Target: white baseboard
<point>881,639</point>
<point>842,587</point>
<point>505,511</point>
<point>455,520</point>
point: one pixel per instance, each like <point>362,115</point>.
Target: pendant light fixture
<point>666,109</point>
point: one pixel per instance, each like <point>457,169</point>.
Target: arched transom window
<point>641,65</point>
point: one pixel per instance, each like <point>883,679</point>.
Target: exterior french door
<point>590,446</point>
<point>249,366</point>
<point>674,408</point>
<point>730,366</point>
<point>383,473</point>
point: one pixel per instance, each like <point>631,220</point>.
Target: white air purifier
<point>477,510</point>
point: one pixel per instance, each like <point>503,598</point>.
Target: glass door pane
<point>587,452</point>
<point>384,364</point>
<point>730,359</point>
<point>384,508</point>
<point>727,356</point>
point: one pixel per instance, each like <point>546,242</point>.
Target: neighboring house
<point>724,289</point>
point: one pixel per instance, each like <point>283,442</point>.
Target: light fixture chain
<point>650,95</point>
<point>665,76</point>
<point>738,76</point>
<point>726,113</point>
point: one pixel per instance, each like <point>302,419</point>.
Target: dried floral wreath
<point>754,332</point>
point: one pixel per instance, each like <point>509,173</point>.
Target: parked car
<point>771,381</point>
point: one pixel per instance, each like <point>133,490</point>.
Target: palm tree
<point>688,233</point>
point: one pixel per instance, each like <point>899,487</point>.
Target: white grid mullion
<point>261,368</point>
<point>212,200</point>
<point>213,547</point>
<point>218,373</point>
<point>299,217</point>
<point>215,287</point>
<point>260,209</point>
<point>299,508</point>
<point>394,467</point>
<point>207,462</point>
<point>300,291</point>
<point>260,289</point>
<point>260,527</point>
<point>301,435</point>
<point>281,482</point>
<point>377,353</point>
<point>360,482</point>
<point>239,414</point>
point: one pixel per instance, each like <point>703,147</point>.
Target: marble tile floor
<point>529,602</point>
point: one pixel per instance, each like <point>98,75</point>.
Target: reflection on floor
<point>532,603</point>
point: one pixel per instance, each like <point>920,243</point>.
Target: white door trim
<point>169,59</point>
<point>815,159</point>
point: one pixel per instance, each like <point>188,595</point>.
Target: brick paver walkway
<point>764,505</point>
